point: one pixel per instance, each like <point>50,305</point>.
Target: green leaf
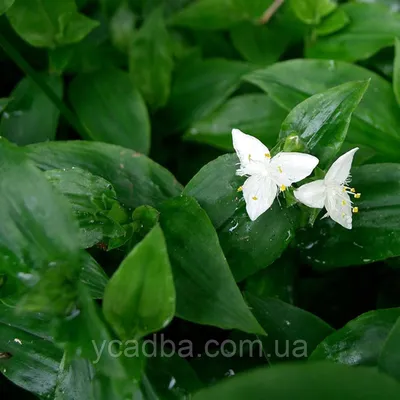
<point>200,87</point>
<point>260,44</point>
<point>38,238</point>
<point>206,292</point>
<point>372,27</point>
<point>360,341</point>
<point>136,179</point>
<point>322,121</point>
<point>48,23</point>
<point>74,380</point>
<point>311,11</point>
<point>93,53</point>
<point>144,218</point>
<point>28,356</point>
<point>333,23</point>
<point>5,5</point>
<point>150,60</point>
<point>293,333</point>
<point>249,246</point>
<point>84,334</point>
<point>276,281</point>
<point>305,381</point>
<point>389,357</point>
<point>376,117</point>
<point>122,26</point>
<point>140,297</point>
<point>111,108</point>
<point>93,276</point>
<point>93,201</point>
<point>255,113</point>
<point>31,116</point>
<point>396,71</point>
<point>220,14</point>
<point>374,235</point>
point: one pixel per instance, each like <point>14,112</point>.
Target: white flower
<point>267,176</point>
<point>332,192</point>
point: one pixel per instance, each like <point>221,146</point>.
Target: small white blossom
<point>267,176</point>
<point>332,192</point>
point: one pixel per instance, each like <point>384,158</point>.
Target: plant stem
<point>270,11</point>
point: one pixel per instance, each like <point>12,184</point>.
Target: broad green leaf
<point>74,380</point>
<point>5,5</point>
<point>150,60</point>
<point>376,117</point>
<point>305,381</point>
<point>371,28</point>
<point>333,23</point>
<point>122,27</point>
<point>91,54</point>
<point>249,246</point>
<point>321,122</point>
<point>93,202</point>
<point>38,238</point>
<point>28,356</point>
<point>140,297</point>
<point>111,108</point>
<point>389,358</point>
<point>360,341</point>
<point>84,334</point>
<point>219,14</point>
<point>31,116</point>
<point>200,87</point>
<point>311,11</point>
<point>136,179</point>
<point>276,281</point>
<point>293,333</point>
<point>206,292</point>
<point>396,71</point>
<point>375,233</point>
<point>255,114</point>
<point>49,23</point>
<point>260,44</point>
<point>93,276</point>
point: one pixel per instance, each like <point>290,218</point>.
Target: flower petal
<point>249,149</point>
<point>259,193</point>
<point>288,168</point>
<point>338,205</point>
<point>340,169</point>
<point>312,194</point>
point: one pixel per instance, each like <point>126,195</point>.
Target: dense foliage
<point>129,266</point>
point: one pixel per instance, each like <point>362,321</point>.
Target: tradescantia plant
<point>164,166</point>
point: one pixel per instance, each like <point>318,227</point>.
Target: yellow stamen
<point>249,157</point>
<point>283,188</point>
<point>267,155</point>
<point>344,202</point>
<point>355,210</point>
<point>255,198</point>
<point>357,195</point>
<point>352,190</point>
<point>280,169</point>
<point>240,189</point>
